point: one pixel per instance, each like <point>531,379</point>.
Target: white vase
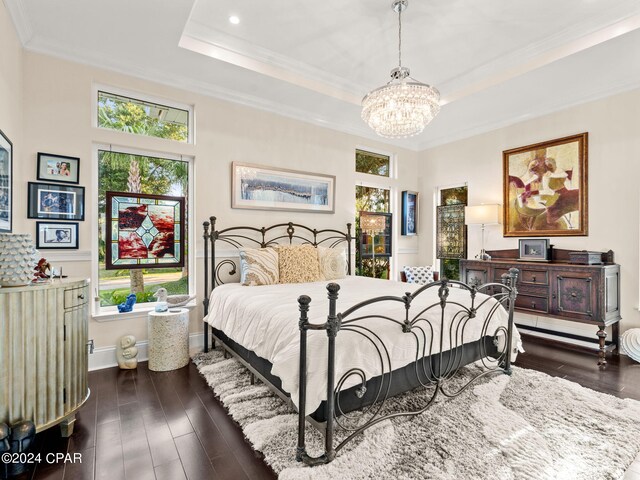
<point>18,258</point>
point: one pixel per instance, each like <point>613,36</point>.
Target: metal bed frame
<point>434,373</point>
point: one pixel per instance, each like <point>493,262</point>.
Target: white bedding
<point>264,319</point>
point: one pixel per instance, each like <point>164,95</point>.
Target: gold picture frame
<point>546,188</point>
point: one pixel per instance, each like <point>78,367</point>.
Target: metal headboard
<point>252,237</point>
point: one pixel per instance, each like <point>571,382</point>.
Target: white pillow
<point>259,266</point>
<point>419,275</point>
<point>333,263</point>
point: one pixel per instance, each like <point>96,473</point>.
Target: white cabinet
<point>44,353</point>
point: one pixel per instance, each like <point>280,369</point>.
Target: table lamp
<point>483,215</point>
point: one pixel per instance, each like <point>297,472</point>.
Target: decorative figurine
<point>42,270</point>
<point>127,353</point>
<point>127,305</point>
<point>171,300</point>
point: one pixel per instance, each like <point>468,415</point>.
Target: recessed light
<point>235,20</point>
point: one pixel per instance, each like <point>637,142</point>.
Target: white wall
<point>614,172</point>
<point>11,91</point>
<point>57,119</point>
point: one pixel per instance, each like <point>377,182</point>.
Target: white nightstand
<point>168,339</point>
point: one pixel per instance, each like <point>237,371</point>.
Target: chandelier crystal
<point>404,106</point>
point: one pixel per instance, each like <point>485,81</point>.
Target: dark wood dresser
<point>557,288</point>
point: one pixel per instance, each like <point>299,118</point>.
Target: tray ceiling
<point>495,62</point>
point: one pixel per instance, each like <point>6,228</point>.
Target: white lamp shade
<point>483,214</point>
<point>372,223</point>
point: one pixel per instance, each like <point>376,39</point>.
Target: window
<point>372,199</point>
<point>451,241</point>
<point>141,117</point>
<point>373,163</point>
<point>123,171</point>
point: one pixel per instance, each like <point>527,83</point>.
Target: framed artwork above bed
<point>261,187</point>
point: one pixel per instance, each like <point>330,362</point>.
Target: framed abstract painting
<point>144,231</point>
<point>545,188</point>
<point>6,183</point>
<point>270,188</point>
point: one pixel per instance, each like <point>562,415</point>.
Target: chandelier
<point>404,106</point>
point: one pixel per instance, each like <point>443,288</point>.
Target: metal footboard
<point>434,371</point>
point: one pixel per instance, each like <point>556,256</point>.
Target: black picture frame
<point>57,235</point>
<point>49,162</point>
<point>533,249</point>
<point>48,201</point>
<point>409,225</point>
<point>6,184</point>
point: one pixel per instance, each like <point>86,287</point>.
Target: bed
<point>337,351</point>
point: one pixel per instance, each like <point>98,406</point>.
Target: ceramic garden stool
<point>168,339</point>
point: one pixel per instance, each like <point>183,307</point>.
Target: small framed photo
<point>58,168</point>
<point>56,235</point>
<point>535,249</point>
<point>409,213</point>
<point>55,202</point>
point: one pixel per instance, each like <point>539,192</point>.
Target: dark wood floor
<point>168,425</point>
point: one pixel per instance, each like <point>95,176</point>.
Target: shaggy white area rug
<point>525,426</point>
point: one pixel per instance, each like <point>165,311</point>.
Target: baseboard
<point>105,357</point>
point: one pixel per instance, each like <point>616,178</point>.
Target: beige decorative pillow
<point>259,266</point>
<point>333,263</point>
<point>298,264</point>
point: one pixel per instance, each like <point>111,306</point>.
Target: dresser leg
<point>602,335</point>
<point>615,331</point>
<point>66,426</point>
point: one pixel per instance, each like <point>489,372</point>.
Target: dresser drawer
<point>74,297</point>
<point>534,277</point>
<point>532,304</point>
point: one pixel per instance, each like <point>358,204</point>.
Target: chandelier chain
<point>400,37</point>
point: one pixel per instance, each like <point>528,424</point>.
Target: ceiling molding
<point>19,15</point>
<point>534,113</point>
<point>245,54</point>
<point>540,56</point>
<point>190,84</point>
<point>269,69</point>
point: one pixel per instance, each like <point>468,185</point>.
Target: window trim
<point>393,173</point>
<point>143,97</point>
<point>110,313</point>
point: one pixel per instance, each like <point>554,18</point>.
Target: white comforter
<point>264,319</point>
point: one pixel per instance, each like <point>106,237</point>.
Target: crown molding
<point>208,36</point>
<point>535,56</point>
<point>190,84</point>
<point>532,114</point>
<point>20,17</point>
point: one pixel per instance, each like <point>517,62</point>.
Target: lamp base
<point>483,255</point>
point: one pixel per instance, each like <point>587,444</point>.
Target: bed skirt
<point>402,379</point>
